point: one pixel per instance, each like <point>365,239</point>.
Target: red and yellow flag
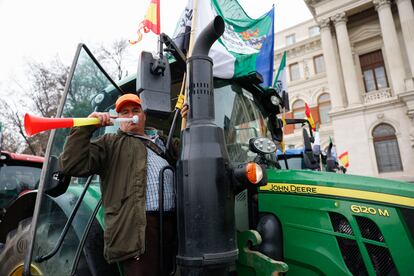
<point>309,117</point>
<point>151,21</point>
<point>344,157</point>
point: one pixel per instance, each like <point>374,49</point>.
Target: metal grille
<point>352,256</point>
<point>340,224</point>
<point>349,248</point>
<point>369,229</point>
<point>241,196</point>
<point>381,260</point>
<point>200,88</point>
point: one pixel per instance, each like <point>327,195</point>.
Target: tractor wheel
<point>14,250</point>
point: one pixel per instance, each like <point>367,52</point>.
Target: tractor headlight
<point>262,145</point>
<point>275,100</point>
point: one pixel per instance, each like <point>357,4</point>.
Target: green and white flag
<point>246,45</point>
<point>280,83</point>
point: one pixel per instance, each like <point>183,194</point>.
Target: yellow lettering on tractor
<point>383,213</point>
<point>290,188</point>
<point>369,210</point>
<point>355,209</point>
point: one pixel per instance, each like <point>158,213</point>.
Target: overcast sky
<point>42,29</point>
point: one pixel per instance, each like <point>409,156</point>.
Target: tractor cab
<point>232,219</point>
<point>19,174</point>
<point>310,156</point>
<point>68,219</point>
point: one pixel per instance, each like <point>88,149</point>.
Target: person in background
<point>128,164</point>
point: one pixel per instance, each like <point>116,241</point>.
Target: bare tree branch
<point>45,88</point>
<point>114,56</point>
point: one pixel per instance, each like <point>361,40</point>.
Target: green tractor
<point>299,222</point>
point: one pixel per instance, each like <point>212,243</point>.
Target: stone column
<point>330,63</point>
<point>391,45</point>
<point>406,12</point>
<point>347,61</point>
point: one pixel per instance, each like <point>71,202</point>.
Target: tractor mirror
<point>154,84</point>
<point>56,182</point>
<point>311,162</point>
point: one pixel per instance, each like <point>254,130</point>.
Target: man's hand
<point>104,117</point>
<point>184,111</point>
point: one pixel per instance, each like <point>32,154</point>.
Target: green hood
<point>341,185</point>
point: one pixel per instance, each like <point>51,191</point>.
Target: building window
<point>386,149</point>
<point>313,31</point>
<point>324,106</point>
<point>294,71</point>
<point>319,64</point>
<point>290,39</point>
<point>298,110</point>
<point>373,71</point>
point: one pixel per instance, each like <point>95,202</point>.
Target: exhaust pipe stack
<point>200,68</point>
<point>205,199</point>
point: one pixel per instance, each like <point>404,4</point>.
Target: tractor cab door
<point>79,250</point>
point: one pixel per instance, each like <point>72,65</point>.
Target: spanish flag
<point>151,21</point>
<point>344,157</point>
<point>309,117</point>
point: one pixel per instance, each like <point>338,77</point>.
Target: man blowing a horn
<point>128,164</point>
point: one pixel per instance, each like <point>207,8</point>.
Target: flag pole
<point>189,53</point>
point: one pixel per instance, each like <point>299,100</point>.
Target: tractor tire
<point>15,248</point>
<point>13,253</point>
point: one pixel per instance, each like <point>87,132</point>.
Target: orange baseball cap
<point>126,98</point>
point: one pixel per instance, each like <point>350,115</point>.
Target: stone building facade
<point>353,64</point>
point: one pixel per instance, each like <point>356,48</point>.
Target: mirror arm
<point>312,139</point>
<point>301,121</point>
<point>174,50</point>
<point>172,128</point>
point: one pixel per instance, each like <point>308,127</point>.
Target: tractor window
<point>15,180</point>
<point>89,90</point>
<point>241,119</point>
<point>294,162</point>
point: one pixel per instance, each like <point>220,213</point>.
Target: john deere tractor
<point>238,213</point>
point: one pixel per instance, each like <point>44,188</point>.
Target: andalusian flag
<point>309,116</point>
<point>344,157</point>
<point>246,45</point>
<point>151,22</point>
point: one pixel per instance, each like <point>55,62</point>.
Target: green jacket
<point>121,162</point>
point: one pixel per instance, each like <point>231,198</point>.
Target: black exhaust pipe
<point>200,68</point>
<point>205,199</point>
<point>208,36</point>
